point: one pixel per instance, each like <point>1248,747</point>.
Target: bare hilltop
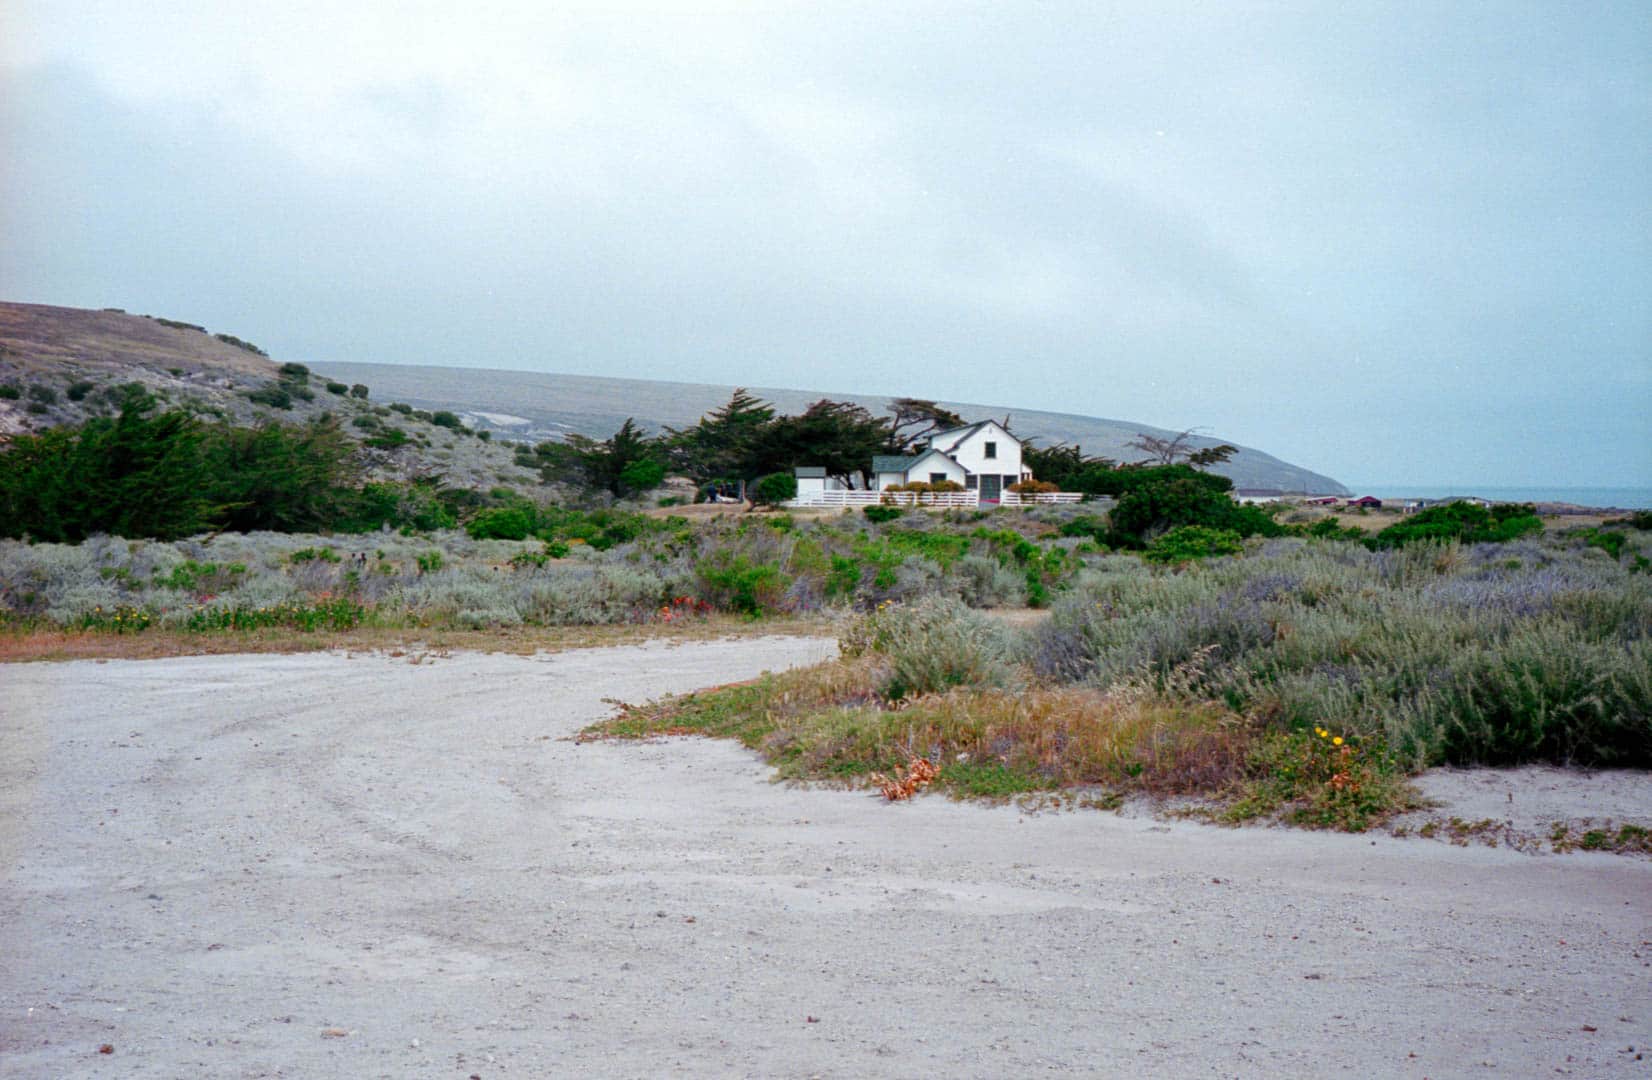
<point>65,364</point>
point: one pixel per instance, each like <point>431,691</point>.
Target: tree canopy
<point>170,474</point>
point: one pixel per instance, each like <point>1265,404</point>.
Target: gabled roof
<point>950,439</point>
<point>882,463</point>
<point>924,455</point>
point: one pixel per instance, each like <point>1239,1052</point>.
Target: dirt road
<point>257,866</point>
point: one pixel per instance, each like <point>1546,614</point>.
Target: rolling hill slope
<point>537,405</point>
<point>55,348</point>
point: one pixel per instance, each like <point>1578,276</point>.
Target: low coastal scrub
<point>1302,678</point>
<point>1305,680</point>
<point>517,564</point>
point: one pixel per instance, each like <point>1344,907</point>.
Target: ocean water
<point>1624,498</point>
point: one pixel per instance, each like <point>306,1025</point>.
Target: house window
<point>970,482</point>
<point>937,478</point>
<point>992,450</point>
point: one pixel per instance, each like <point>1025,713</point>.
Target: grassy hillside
<point>63,366</point>
<point>544,405</point>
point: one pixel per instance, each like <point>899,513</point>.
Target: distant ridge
<point>551,404</point>
<point>185,363</point>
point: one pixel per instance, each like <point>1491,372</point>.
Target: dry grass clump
<point>834,721</point>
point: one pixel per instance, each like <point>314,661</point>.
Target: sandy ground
<point>319,865</point>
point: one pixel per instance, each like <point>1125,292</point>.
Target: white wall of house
<point>989,449</point>
<point>810,488</point>
<point>887,480</point>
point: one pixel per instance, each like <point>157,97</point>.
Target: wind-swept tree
<point>626,463</point>
<point>1062,464</point>
<point>723,444</point>
<point>915,419</point>
<point>838,435</point>
<point>1180,448</point>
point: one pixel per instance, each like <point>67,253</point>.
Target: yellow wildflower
<point>1337,741</point>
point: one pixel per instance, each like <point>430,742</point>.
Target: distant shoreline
<point>1562,499</point>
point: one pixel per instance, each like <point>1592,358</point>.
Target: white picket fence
<point>1040,498</point>
<point>938,499</point>
<point>841,497</point>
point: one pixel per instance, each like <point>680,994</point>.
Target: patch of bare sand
<point>1534,807</point>
<point>323,865</point>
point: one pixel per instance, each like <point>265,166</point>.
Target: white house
<point>983,457</point>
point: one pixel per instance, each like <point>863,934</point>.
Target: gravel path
<point>363,866</point>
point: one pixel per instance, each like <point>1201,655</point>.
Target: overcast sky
<point>1390,242</point>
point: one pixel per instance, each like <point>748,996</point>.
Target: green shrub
<point>177,324</point>
<point>774,489</point>
<point>337,388</point>
<point>1086,525</point>
<point>1331,528</point>
<point>297,373</point>
<point>443,418</point>
<point>389,438</point>
<point>731,581</point>
<point>882,514</point>
<point>502,523</point>
<point>644,474</point>
<point>1464,522</point>
<point>275,395</point>
<point>191,576</point>
<point>10,391</point>
<point>843,578</point>
<point>359,390</point>
<point>1191,542</point>
<point>401,407</point>
<point>247,346</point>
<point>1157,499</point>
<point>1608,540</point>
<point>78,390</point>
<point>43,394</point>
